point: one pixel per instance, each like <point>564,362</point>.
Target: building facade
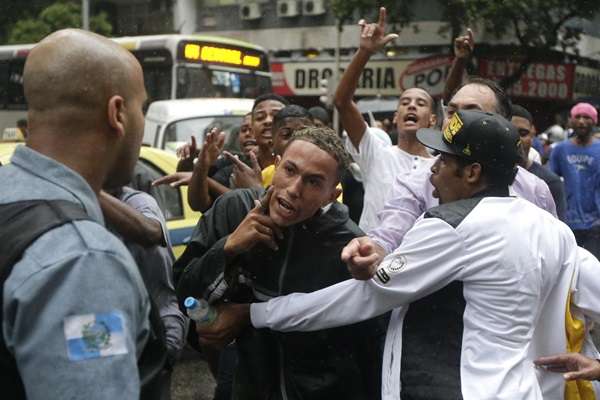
<point>302,38</point>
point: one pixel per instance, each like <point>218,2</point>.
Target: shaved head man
<point>87,93</point>
<point>75,309</point>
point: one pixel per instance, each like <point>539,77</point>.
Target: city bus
<point>175,67</point>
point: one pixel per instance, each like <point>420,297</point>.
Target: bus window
<point>4,70</point>
<point>158,82</point>
<point>157,65</point>
<point>16,95</point>
<point>12,96</point>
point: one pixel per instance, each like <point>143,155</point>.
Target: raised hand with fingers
<point>362,256</point>
<point>187,153</point>
<point>244,176</point>
<point>212,147</point>
<point>231,320</point>
<point>256,228</point>
<point>572,365</point>
<point>372,36</point>
<point>464,45</point>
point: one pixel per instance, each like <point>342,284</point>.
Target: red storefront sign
<point>280,85</point>
<point>540,81</point>
<point>429,73</point>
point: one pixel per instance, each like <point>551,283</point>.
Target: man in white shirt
<point>411,194</point>
<point>380,163</point>
<point>471,269</point>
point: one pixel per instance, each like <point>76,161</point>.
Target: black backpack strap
<point>22,223</point>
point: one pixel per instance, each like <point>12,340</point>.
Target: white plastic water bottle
<point>200,311</point>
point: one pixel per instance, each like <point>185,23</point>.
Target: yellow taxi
<point>152,164</point>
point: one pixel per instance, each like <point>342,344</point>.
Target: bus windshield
<point>197,81</point>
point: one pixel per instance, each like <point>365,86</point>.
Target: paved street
<point>192,379</point>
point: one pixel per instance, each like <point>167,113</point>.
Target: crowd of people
<point>466,266</point>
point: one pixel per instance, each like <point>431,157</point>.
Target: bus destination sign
<point>214,54</point>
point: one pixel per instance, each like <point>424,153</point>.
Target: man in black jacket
<point>252,247</point>
<point>523,121</point>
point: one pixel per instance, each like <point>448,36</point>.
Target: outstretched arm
<point>572,365</point>
<point>129,223</point>
<point>372,39</point>
<point>424,263</point>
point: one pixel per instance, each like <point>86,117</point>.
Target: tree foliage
<point>534,23</point>
<point>13,10</point>
<point>536,26</point>
<point>59,15</point>
<point>398,11</point>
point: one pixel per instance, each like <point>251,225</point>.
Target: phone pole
<point>85,14</point>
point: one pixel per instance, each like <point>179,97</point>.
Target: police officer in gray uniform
<point>75,309</point>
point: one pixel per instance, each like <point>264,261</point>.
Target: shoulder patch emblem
<point>396,264</point>
<point>95,335</point>
<point>390,268</point>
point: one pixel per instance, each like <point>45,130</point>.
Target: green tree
<point>59,15</point>
<point>537,26</point>
<point>399,11</point>
<point>14,10</point>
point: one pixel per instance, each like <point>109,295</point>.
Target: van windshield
<point>179,132</point>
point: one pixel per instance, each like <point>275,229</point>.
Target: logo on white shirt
<point>391,267</point>
<point>396,264</point>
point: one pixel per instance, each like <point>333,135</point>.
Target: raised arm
<point>199,197</point>
<point>463,48</point>
<point>372,39</point>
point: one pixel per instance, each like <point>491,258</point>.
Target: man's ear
<point>432,120</point>
<point>336,193</point>
<point>473,173</point>
<point>116,115</point>
<point>277,160</point>
<point>395,120</point>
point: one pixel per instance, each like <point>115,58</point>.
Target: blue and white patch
<point>95,335</point>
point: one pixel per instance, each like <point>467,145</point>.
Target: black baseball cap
<point>482,137</point>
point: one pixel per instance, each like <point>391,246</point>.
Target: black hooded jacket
<point>340,363</point>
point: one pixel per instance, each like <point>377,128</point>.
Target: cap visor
<point>433,139</point>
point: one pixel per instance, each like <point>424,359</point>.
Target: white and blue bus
<point>175,67</point>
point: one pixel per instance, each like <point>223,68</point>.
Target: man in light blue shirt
<point>577,160</point>
<point>75,309</point>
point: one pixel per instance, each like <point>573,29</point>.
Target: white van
<point>171,123</point>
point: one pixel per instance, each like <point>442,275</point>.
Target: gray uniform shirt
<point>156,267</point>
<point>75,306</point>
